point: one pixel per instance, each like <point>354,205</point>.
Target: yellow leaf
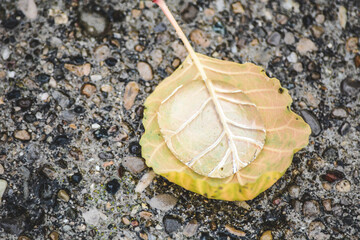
<point>221,129</point>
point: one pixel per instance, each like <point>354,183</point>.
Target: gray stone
<point>311,208</point>
<point>311,119</point>
<point>163,202</point>
<point>134,164</point>
<point>274,39</point>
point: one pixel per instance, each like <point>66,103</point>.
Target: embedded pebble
<point>237,7</point>
<point>339,113</point>
<point>5,53</point>
<point>112,186</point>
<point>106,88</point>
<point>28,8</point>
<point>63,195</point>
<point>320,18</point>
<point>352,45</point>
<point>191,228</point>
<point>344,128</point>
<point>292,57</point>
<point>145,71</point>
<point>88,89</point>
<point>305,45</point>
<point>267,235</point>
<point>54,235</point>
<point>350,86</point>
<point>134,164</point>
<point>3,185</point>
<point>93,217</point>
<point>189,13</point>
<point>311,208</point>
<point>298,67</point>
<point>101,53</point>
<point>131,91</point>
<point>274,39</point>
<point>22,135</point>
<point>179,50</point>
<point>199,38</point>
<point>163,202</point>
<point>317,31</point>
<point>294,191</point>
<point>357,60</point>
<point>79,70</point>
<point>343,186</point>
<point>342,16</point>
<point>311,119</point>
<point>93,23</point>
<point>235,231</point>
<point>289,38</point>
<point>316,231</point>
<point>327,204</point>
<point>332,176</point>
<point>156,56</point>
<point>1,169</point>
<point>171,224</point>
<point>145,181</point>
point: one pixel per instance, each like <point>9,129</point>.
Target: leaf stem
<point>180,33</point>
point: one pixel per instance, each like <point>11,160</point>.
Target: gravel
<point>74,76</point>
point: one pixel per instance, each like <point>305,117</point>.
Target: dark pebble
<point>350,87</point>
<point>330,154</point>
<point>311,119</point>
<point>344,128</point>
<point>34,43</point>
<point>307,21</point>
<point>14,94</point>
<point>79,109</point>
<point>311,66</point>
<point>171,224</point>
<point>29,118</point>
<point>101,133</point>
<point>78,60</point>
<point>110,62</point>
<point>58,74</point>
<point>135,148</point>
<point>24,103</point>
<point>60,141</point>
<point>42,78</point>
<point>71,213</point>
<point>113,186</point>
<point>161,27</point>
<point>219,27</point>
<point>10,23</point>
<point>189,13</point>
<point>118,16</point>
<point>76,178</point>
<point>106,155</point>
<point>332,176</point>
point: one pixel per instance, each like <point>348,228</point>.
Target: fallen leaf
<point>221,129</point>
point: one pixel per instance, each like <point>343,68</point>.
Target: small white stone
<point>292,57</point>
<point>11,74</point>
<point>289,38</point>
<point>29,9</point>
<point>145,181</point>
<point>93,216</point>
<point>96,77</point>
<point>5,53</point>
<point>44,96</point>
<point>3,185</point>
<point>95,126</point>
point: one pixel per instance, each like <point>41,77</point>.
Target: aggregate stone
<point>163,202</point>
<point>191,228</point>
<point>22,135</point>
<point>93,21</point>
<point>311,119</point>
<point>189,13</point>
<point>134,164</point>
<point>305,45</point>
<point>274,39</point>
<point>3,185</point>
<point>344,128</point>
<point>350,86</point>
<point>171,224</point>
<point>145,71</point>
<point>339,113</point>
<point>311,208</point>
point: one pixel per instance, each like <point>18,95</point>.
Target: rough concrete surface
<point>73,79</point>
